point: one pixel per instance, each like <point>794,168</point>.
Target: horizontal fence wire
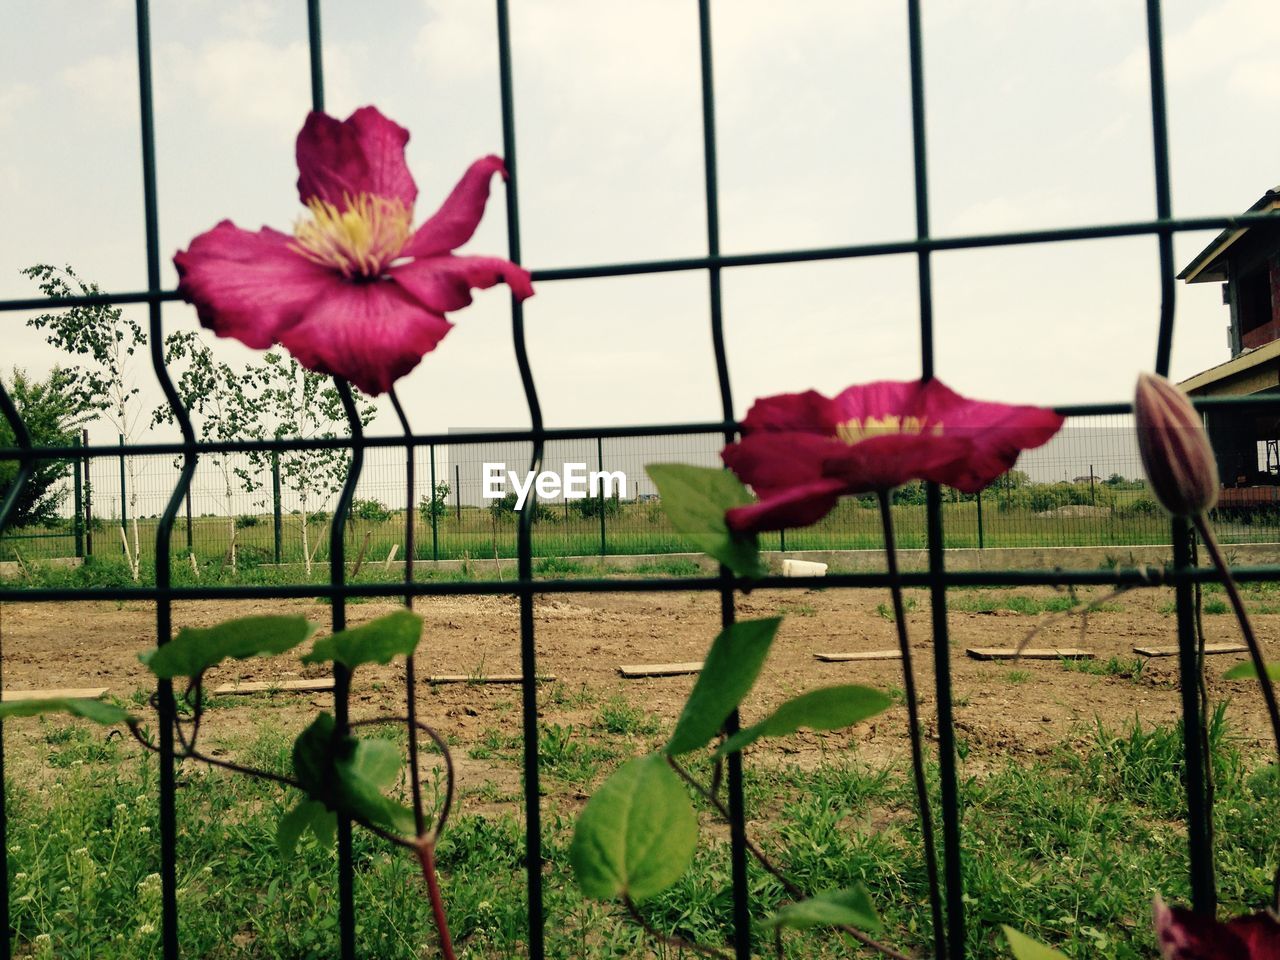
<point>202,520</point>
<point>247,514</point>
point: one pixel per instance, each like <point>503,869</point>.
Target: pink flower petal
<point>999,432</point>
<point>771,462</point>
<point>794,507</point>
<point>890,460</point>
<point>369,333</point>
<point>345,158</point>
<point>1183,935</point>
<point>445,283</point>
<point>249,286</point>
<point>1260,934</point>
<point>808,412</point>
<point>882,398</point>
<point>454,223</point>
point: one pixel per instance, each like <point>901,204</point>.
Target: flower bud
<point>1175,450</point>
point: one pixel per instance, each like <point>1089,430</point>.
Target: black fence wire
<point>159,492</point>
<point>242,511</point>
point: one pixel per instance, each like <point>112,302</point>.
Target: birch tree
<point>103,344</point>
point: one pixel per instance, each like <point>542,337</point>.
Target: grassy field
<point>1069,847</point>
<point>637,528</point>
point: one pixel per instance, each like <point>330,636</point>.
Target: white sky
<point>1038,116</point>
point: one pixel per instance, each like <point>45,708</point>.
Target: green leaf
<point>196,649</point>
<point>835,908</point>
<point>1024,948</point>
<point>306,814</point>
<point>695,499</point>
<point>375,642</point>
<point>95,710</point>
<point>637,835</point>
<point>348,775</point>
<point>827,708</point>
<point>372,765</point>
<point>727,675</point>
<point>1247,671</point>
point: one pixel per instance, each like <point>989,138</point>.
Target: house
<point>1246,442</point>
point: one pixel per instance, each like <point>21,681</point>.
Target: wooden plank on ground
<point>863,655</point>
<point>490,678</point>
<point>1208,648</point>
<point>1031,653</point>
<point>631,671</point>
<point>273,686</point>
<point>70,693</point>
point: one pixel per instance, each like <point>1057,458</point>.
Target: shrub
<point>372,511</point>
<point>247,520</point>
<point>435,504</point>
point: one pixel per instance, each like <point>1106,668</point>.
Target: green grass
<point>637,528</point>
<point>1069,847</point>
<point>619,717</point>
<point>973,602</point>
<point>886,611</point>
<point>1127,667</point>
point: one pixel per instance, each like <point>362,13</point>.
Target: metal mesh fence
<point>1084,489</point>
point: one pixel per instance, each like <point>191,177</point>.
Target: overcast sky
<point>1038,116</point>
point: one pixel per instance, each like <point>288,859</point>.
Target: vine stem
<point>772,869</point>
<point>1205,530</point>
<point>913,725</point>
<point>426,850</point>
<point>672,941</point>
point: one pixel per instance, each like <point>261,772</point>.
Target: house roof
<point>1210,263</point>
<point>1246,369</point>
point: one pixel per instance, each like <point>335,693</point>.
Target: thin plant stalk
<point>793,891</point>
<point>913,726</point>
<point>426,850</point>
<point>425,845</point>
<point>1205,529</point>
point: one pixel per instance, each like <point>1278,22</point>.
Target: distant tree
<point>53,414</point>
<point>372,511</point>
<point>104,343</point>
<point>297,403</point>
<point>1115,480</point>
<point>434,505</point>
<point>225,405</point>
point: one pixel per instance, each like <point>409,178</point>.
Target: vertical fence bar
<point>277,518</point>
<point>981,539</point>
<point>88,498</point>
<point>77,520</point>
<point>604,549</point>
<point>435,537</point>
<point>524,540</point>
<point>338,557</point>
<point>457,491</point>
<point>164,529</point>
<point>737,802</point>
<point>953,935</point>
<point>190,527</point>
<point>1199,812</point>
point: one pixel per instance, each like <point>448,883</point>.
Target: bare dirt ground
<point>1003,709</point>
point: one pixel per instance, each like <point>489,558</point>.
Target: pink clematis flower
<point>1184,935</point>
<point>801,452</point>
<point>355,291</point>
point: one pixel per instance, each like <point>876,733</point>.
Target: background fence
<point>1084,489</point>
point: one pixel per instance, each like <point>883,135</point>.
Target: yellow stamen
<point>358,240</point>
<point>856,430</point>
